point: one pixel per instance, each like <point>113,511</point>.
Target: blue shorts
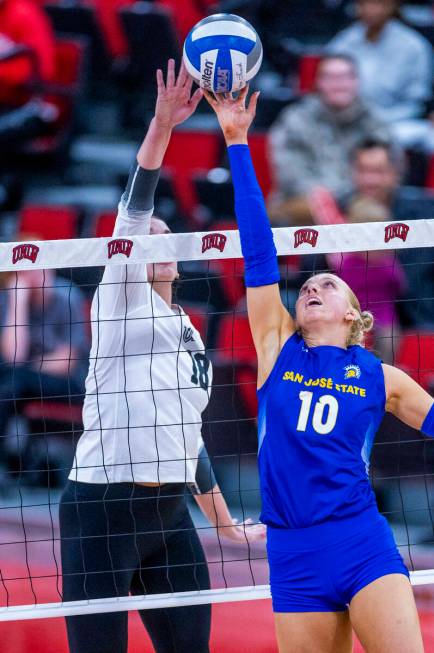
<point>320,568</point>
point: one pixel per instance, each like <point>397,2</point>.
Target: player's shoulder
<point>191,336</point>
<point>365,357</point>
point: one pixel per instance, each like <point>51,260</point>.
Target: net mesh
<point>42,394</point>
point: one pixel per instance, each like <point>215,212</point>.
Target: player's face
<point>375,13</point>
<point>337,83</point>
<point>323,298</point>
<point>161,271</point>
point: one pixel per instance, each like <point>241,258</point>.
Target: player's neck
<point>321,337</point>
<point>164,290</point>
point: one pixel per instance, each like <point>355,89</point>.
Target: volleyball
<point>222,53</point>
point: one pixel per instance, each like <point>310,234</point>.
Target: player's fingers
<point>253,103</point>
<point>241,99</point>
<point>170,73</point>
<point>183,76</point>
<point>188,85</point>
<point>160,80</point>
<point>210,98</point>
<point>196,97</point>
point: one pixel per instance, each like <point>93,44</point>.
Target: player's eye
<point>329,283</point>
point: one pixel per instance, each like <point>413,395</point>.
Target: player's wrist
<point>162,125</point>
<point>235,138</point>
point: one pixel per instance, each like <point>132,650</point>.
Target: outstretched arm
<point>270,322</point>
<point>123,287</point>
<point>408,401</point>
<point>212,503</point>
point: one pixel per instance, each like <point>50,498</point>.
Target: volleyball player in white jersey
<point>125,525</point>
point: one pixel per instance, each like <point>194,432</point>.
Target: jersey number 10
<point>320,426</point>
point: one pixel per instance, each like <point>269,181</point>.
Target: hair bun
<point>367,320</point>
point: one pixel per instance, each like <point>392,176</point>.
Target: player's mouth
<point>313,301</point>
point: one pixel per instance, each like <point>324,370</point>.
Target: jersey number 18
<point>200,370</point>
<point>321,426</point>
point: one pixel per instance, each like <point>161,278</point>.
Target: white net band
<point>158,601</point>
<point>332,239</point>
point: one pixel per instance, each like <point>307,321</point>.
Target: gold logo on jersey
<point>352,372</point>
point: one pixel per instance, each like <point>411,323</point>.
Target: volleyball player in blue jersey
<point>333,560</point>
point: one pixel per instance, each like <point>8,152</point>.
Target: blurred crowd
<point>344,133</point>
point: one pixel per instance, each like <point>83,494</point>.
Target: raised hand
<point>174,102</point>
<point>233,115</point>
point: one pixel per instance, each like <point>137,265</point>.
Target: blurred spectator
<point>24,23</point>
<point>395,68</point>
<point>43,343</point>
<point>21,124</point>
<point>377,278</point>
<point>276,20</point>
<point>377,168</point>
<point>27,58</point>
<point>108,15</point>
<point>311,141</point>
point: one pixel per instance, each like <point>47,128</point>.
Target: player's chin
<point>165,272</point>
<point>310,314</point>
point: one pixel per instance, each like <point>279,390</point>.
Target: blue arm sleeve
<point>257,244</point>
<point>428,424</point>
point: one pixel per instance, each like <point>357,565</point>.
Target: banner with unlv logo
<point>322,239</point>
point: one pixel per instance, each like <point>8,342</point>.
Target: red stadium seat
<point>198,314</point>
<point>188,153</point>
<point>429,182</point>
<point>307,69</point>
<point>416,357</point>
<point>79,19</point>
<point>107,14</point>
<point>235,349</point>
<point>69,61</point>
<point>235,342</point>
<point>246,379</point>
<point>259,149</point>
<point>192,11</point>
<point>64,92</point>
<point>49,222</point>
<point>53,411</point>
<point>230,270</point>
<point>104,224</point>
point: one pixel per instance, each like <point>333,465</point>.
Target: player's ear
<point>350,315</point>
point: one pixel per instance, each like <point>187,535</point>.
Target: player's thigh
<point>179,566</point>
<point>322,632</point>
<point>384,616</point>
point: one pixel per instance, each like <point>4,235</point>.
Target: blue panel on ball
<point>225,42</point>
<point>193,53</point>
<point>223,73</point>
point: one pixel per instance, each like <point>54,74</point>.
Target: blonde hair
<point>363,322</point>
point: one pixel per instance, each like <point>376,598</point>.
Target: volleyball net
<point>389,265</point>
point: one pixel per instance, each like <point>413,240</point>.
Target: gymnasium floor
<point>245,627</point>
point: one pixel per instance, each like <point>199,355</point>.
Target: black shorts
<point>126,538</point>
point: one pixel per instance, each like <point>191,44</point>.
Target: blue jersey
<point>319,411</point>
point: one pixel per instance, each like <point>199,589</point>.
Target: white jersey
<point>148,382</point>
